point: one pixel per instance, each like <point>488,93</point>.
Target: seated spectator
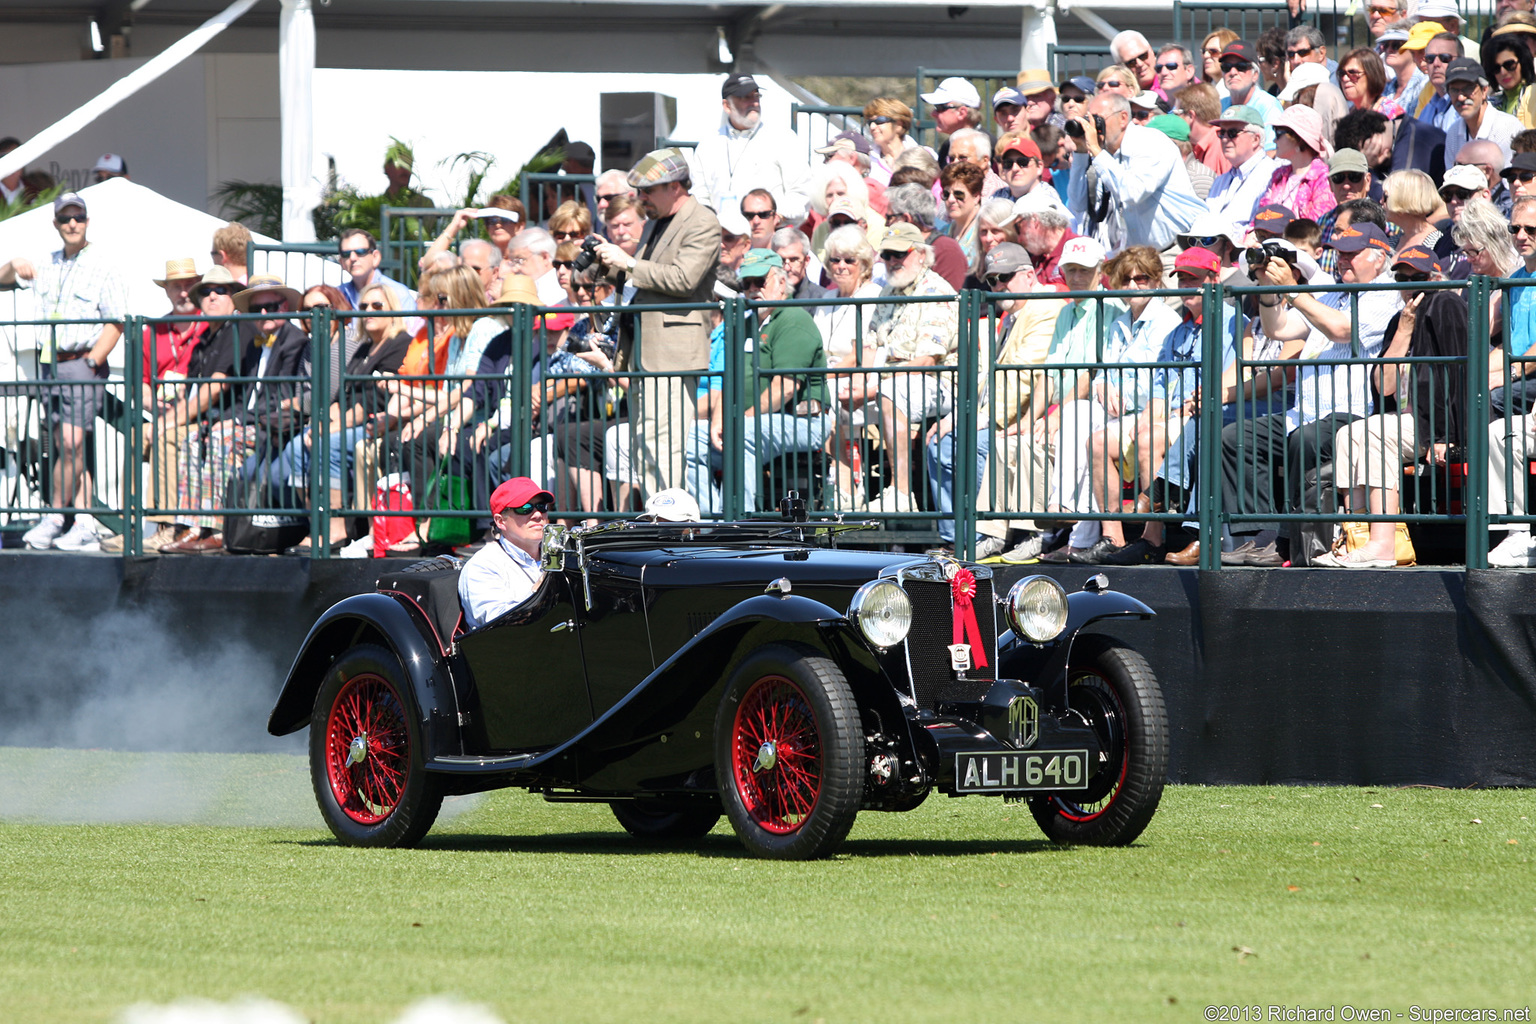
<point>1520,176</point>
<point>1512,440</point>
<point>1363,79</point>
<point>565,266</point>
<point>1008,107</point>
<point>962,185</point>
<point>913,204</point>
<point>571,222</point>
<point>790,412</point>
<point>484,259</point>
<point>1238,194</point>
<point>532,254</point>
<point>802,269</point>
<point>1019,160</point>
<point>1482,241</point>
<point>1199,105</point>
<point>889,123</point>
<point>1043,231</point>
<point>1412,205</point>
<point>1300,183</point>
<point>1177,129</point>
<point>1507,64</point>
<point>833,181</point>
<point>231,243</point>
<point>974,146</point>
<point>850,265</point>
<point>1240,74</point>
<point>1175,69</point>
<point>1467,86</point>
<point>1430,417</point>
<point>360,258</point>
<point>761,213</point>
<point>1211,48</point>
<point>504,574</point>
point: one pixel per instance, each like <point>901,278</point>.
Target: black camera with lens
<point>1263,253</point>
<point>588,254</point>
<point>1075,130</point>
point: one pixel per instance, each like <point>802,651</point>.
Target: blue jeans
<point>292,466</point>
<point>941,476</point>
<point>764,437</point>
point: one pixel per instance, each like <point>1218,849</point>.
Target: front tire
<point>789,753</point>
<point>1113,688</point>
<point>365,754</point>
<point>658,821</point>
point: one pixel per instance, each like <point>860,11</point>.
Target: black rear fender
<point>1045,665</point>
<point>391,623</point>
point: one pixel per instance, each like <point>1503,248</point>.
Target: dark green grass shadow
<point>724,846</point>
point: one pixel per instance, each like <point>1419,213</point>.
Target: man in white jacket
<point>746,154</point>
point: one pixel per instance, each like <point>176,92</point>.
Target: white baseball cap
<point>1081,252</point>
<point>954,90</point>
<point>111,163</point>
<point>1464,176</point>
<point>733,222</point>
<point>1429,10</point>
<point>673,505</point>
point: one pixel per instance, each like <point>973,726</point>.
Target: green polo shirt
<point>791,341</point>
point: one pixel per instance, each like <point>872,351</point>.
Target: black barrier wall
<point>1293,677</point>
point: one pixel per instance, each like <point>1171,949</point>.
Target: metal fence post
<point>1475,488</point>
<point>133,444</point>
<point>964,443</point>
<point>733,412</point>
<point>319,432</point>
<point>519,372</point>
<point>1210,512</point>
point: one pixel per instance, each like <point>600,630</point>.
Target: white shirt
<point>497,579</point>
<point>1497,127</point>
<point>1152,197</point>
<point>730,163</point>
<point>548,287</point>
<point>1235,195</point>
<point>1323,390</point>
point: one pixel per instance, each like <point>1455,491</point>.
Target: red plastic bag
<point>393,494</point>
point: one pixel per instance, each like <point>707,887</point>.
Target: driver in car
<point>504,574</point>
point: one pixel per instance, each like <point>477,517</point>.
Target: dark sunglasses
<point>493,221</point>
<point>1453,194</point>
<point>881,119</point>
<point>998,282</point>
<point>1522,229</point>
<point>71,218</point>
<point>1285,133</point>
<point>356,252</point>
<point>955,193</point>
<point>1142,59</point>
<point>215,289</point>
<point>1204,241</point>
<point>1112,83</point>
<point>1230,133</point>
<point>1391,47</point>
<point>1410,278</point>
<point>1520,176</point>
<point>1169,66</point>
<point>530,508</point>
<point>266,307</point>
<point>1293,54</point>
<point>1141,280</point>
<point>1353,177</point>
<point>565,263</point>
<point>834,260</point>
<point>945,107</point>
<point>375,306</point>
<point>887,255</point>
<point>1236,65</point>
<point>1439,58</point>
<point>758,214</point>
<point>565,236</point>
<point>1011,161</point>
<point>442,300</point>
<point>1509,65</point>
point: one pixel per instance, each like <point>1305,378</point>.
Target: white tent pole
<point>296,70</point>
<point>1039,34</point>
<point>121,89</point>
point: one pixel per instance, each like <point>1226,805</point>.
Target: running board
<point>473,765</point>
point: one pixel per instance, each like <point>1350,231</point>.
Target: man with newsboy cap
<point>675,263</point>
<point>745,154</point>
<point>506,572</point>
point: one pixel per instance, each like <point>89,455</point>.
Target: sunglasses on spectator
<point>1112,83</point>
<point>348,253</point>
<point>1204,241</point>
<point>945,107</point>
<point>1455,195</point>
<point>1144,58</point>
<point>1293,54</point>
<point>1285,133</point>
<point>758,214</point>
<point>442,301</point>
<point>565,236</point>
<point>530,508</point>
<point>835,260</point>
<point>1520,176</point>
<point>1169,66</point>
<point>1351,73</point>
<point>1439,58</point>
<point>1391,47</point>
<point>1352,177</point>
<point>955,193</point>
<point>1013,160</point>
<point>584,289</point>
<point>1509,65</point>
<point>1141,280</point>
<point>377,307</point>
<point>1523,229</point>
<point>1385,10</point>
<point>1229,66</point>
<point>1230,133</point>
<point>71,218</point>
<point>998,282</point>
<point>495,221</point>
<point>267,307</point>
<point>1409,277</point>
<point>609,196</point>
<point>881,119</point>
<point>317,305</point>
<point>565,263</point>
<point>215,289</point>
<point>890,255</point>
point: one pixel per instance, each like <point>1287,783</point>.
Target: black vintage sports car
<point>677,670</point>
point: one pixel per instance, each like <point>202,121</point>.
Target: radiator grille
<point>928,643</point>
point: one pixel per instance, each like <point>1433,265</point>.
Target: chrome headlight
<point>1037,608</point>
<point>883,612</point>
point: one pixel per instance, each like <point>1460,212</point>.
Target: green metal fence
<point>876,433</point>
<point>405,234</point>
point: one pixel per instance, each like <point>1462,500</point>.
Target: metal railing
<point>405,234</point>
<point>937,438</point>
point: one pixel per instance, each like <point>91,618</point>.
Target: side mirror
<point>552,552</point>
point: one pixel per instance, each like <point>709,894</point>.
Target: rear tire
<point>1113,688</point>
<point>789,753</point>
<point>656,820</point>
<point>365,753</point>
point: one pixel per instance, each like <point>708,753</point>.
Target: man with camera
<point>1264,459</point>
<point>675,263</point>
<point>1146,196</point>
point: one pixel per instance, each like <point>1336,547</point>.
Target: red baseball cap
<point>1024,145</point>
<point>1198,259</point>
<point>555,321</point>
<point>518,491</point>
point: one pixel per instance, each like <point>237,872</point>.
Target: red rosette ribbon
<point>966,629</point>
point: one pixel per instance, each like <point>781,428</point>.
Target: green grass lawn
<point>958,911</point>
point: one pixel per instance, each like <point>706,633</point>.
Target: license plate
<point>1026,770</point>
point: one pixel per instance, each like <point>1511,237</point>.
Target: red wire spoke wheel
<point>1113,690</point>
<point>366,755</point>
<point>367,750</point>
<point>776,755</point>
<point>789,753</point>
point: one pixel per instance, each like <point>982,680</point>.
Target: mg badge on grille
<point>1023,722</point>
<point>960,657</point>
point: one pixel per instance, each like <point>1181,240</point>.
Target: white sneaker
<point>41,536</point>
<point>892,502</point>
<point>360,548</point>
<point>83,536</point>
<point>1026,551</point>
<point>989,547</point>
<point>1517,551</point>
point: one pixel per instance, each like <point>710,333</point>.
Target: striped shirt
<point>85,287</point>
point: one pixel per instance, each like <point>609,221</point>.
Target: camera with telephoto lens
<point>1262,254</point>
<point>588,254</point>
<point>1075,130</point>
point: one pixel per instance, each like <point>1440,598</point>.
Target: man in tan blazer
<point>675,264</point>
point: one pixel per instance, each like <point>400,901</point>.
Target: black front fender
<point>1045,664</point>
<point>382,620</point>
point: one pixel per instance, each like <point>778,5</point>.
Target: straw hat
<point>179,270</point>
<point>267,283</point>
<point>518,289</point>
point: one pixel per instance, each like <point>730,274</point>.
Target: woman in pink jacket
<point>1301,182</point>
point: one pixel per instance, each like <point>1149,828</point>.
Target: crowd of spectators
<point>1276,161</point>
